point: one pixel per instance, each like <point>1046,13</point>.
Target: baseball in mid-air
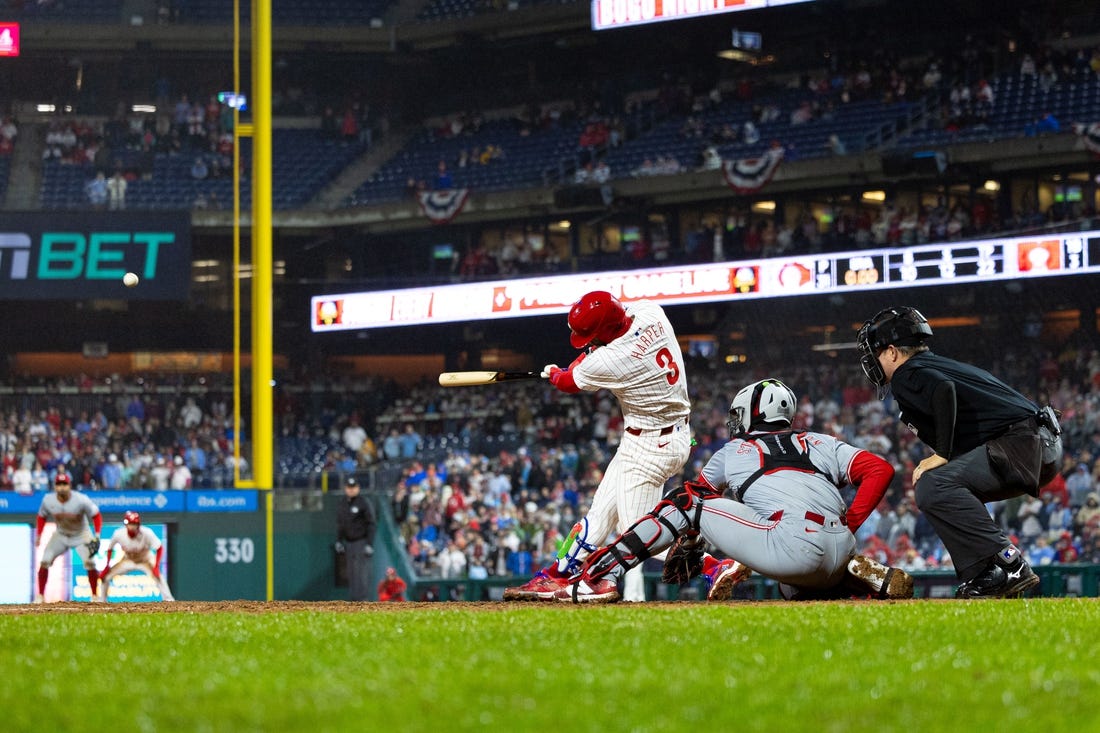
<point>129,279</point>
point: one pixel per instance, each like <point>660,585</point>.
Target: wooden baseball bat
<point>469,379</point>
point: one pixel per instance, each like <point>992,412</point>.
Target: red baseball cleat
<point>589,591</point>
<point>542,587</point>
<point>723,577</point>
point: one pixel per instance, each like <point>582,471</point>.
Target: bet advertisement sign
<point>74,256</point>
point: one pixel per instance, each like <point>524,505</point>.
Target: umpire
<point>989,441</point>
<point>355,527</point>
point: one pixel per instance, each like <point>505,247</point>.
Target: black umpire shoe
<point>999,582</point>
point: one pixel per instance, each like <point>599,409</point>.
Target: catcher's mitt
<point>684,560</point>
<point>93,545</point>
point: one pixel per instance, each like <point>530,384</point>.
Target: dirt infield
<point>347,606</point>
<point>236,607</point>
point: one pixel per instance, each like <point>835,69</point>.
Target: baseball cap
<point>62,478</point>
<point>351,481</point>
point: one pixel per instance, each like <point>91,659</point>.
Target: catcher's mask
<point>898,326</point>
<point>767,403</point>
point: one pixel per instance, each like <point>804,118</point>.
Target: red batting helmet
<point>597,316</point>
<point>131,518</point>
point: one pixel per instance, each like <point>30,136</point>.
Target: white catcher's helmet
<point>766,401</point>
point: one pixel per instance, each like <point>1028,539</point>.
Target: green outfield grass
<point>1019,665</point>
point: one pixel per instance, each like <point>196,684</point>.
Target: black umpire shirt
<point>985,406</point>
<point>355,520</point>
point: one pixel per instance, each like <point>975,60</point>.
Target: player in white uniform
<point>71,511</point>
<point>141,550</point>
<point>633,353</point>
<point>770,498</point>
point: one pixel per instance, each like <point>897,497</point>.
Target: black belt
<point>660,431</point>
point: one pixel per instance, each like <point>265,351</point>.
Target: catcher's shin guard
<point>642,541</point>
<point>576,543</point>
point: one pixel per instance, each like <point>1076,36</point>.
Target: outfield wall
<point>217,541</point>
<point>217,550</point>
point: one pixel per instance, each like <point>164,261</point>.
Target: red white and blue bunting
<point>750,174</point>
<point>442,206</point>
<point>1090,135</point>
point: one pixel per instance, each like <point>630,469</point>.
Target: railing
<point>1075,580</point>
<point>887,134</point>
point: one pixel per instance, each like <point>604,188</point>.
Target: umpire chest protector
<point>778,453</point>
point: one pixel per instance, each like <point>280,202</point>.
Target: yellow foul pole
<point>239,131</point>
<point>262,309</point>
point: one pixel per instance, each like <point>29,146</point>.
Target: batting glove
<point>548,370</point>
<point>368,550</point>
<point>339,547</point>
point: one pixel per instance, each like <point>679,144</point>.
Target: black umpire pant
<point>358,567</point>
<point>953,497</point>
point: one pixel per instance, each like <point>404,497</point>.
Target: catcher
<point>71,511</point>
<point>769,499</point>
<point>141,550</point>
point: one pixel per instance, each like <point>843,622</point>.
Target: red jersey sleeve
<point>871,476</point>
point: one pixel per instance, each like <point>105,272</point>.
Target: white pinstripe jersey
<point>136,548</point>
<point>739,459</point>
<point>72,517</point>
<point>643,368</point>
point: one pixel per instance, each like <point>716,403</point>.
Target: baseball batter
<point>141,550</point>
<point>632,353</point>
<point>78,524</point>
<point>770,499</point>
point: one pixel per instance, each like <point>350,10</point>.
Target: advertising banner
<point>134,585</point>
<point>109,502</point>
<point>947,263</point>
<point>60,255</point>
<point>17,571</point>
<point>238,500</point>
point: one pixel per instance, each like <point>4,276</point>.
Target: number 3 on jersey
<point>667,361</point>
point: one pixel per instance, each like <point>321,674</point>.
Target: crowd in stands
<point>108,436</point>
<point>482,488</point>
<point>470,514</point>
<point>743,234</point>
<point>607,122</point>
<point>124,147</point>
<point>8,132</point>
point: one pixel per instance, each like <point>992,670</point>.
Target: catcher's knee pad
<point>576,545</point>
<point>688,501</point>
